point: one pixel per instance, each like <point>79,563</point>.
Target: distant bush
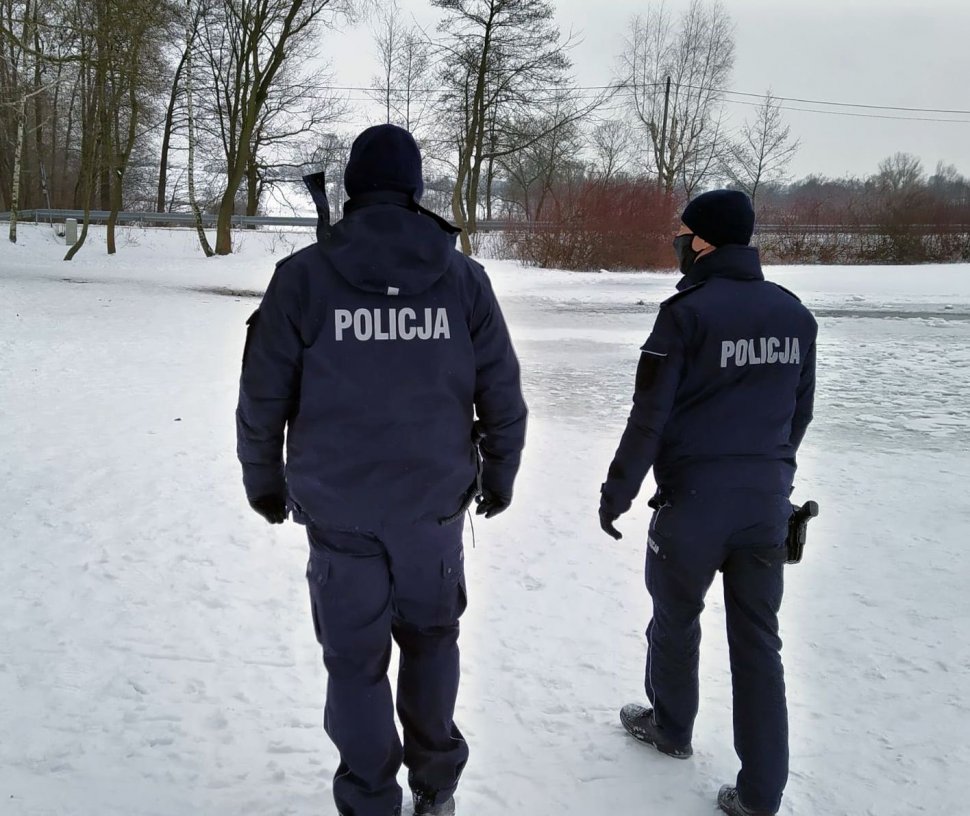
<point>597,224</point>
<point>897,216</point>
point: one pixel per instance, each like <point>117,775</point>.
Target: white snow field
<point>156,651</point>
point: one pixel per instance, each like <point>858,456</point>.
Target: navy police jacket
<point>725,384</point>
<point>374,349</point>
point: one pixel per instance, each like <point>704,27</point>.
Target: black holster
<point>798,530</point>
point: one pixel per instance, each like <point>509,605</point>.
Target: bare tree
<point>403,87</point>
<point>297,109</point>
<point>900,173</point>
<point>387,37</point>
<point>413,77</point>
<point>675,72</point>
<point>534,172</point>
<point>612,144</point>
<point>131,66</point>
<point>92,81</point>
<point>196,17</point>
<point>763,151</point>
<point>192,15</point>
<point>22,88</point>
<point>246,48</point>
<point>499,59</point>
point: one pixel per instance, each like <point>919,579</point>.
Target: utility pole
<point>663,136</point>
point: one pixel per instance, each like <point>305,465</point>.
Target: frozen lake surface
<point>156,651</point>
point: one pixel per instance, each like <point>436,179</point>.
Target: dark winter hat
<point>384,158</point>
<point>721,217</point>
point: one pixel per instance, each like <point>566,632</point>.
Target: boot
<point>640,722</point>
<point>424,805</point>
<point>729,801</point>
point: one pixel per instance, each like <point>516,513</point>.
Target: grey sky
<point>881,52</point>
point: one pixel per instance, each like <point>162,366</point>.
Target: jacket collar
<point>397,199</point>
<point>732,261</point>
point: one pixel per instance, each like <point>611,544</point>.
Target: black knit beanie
<point>384,158</point>
<point>721,217</point>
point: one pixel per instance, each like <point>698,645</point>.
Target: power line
<point>588,92</point>
<point>854,104</point>
<point>849,113</point>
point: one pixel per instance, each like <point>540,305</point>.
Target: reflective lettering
<point>424,332</point>
<point>441,327</point>
<point>343,318</point>
<point>379,333</point>
<point>405,324</point>
<point>363,324</point>
<point>752,351</point>
<point>773,344</point>
<point>392,324</point>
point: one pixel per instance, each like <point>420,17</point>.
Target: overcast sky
<point>878,52</point>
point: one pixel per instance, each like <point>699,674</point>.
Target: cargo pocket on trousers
<point>454,596</point>
<point>317,575</point>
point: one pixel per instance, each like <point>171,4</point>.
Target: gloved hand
<point>607,518</point>
<point>272,508</point>
<point>491,504</point>
<point>610,511</point>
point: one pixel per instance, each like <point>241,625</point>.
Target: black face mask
<point>686,254</point>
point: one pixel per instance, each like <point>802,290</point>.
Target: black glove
<point>272,508</point>
<point>491,504</point>
<point>607,517</point>
<point>609,512</point>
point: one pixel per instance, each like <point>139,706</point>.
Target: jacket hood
<point>387,243</point>
<point>733,261</point>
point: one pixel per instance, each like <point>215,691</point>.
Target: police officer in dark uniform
<point>373,350</point>
<point>724,393</point>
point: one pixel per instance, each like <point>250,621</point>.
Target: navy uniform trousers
<point>407,584</point>
<point>698,530</point>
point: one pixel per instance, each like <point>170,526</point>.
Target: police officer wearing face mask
<point>723,396</point>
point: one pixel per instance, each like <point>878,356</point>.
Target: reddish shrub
<point>592,224</point>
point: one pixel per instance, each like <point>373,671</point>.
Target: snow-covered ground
<point>156,652</point>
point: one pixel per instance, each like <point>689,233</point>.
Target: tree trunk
<point>167,137</point>
<point>237,171</point>
<point>38,98</point>
<point>489,182</point>
<point>83,236</point>
<point>113,216</point>
<point>193,203</point>
<point>227,208</point>
<point>474,181</point>
<point>18,159</point>
<point>457,205</point>
<point>87,189</point>
<point>252,189</point>
<point>120,167</point>
<point>111,169</point>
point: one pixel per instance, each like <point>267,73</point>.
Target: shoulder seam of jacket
<point>682,293</point>
<point>786,291</point>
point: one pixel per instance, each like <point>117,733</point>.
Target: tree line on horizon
<point>220,106</point>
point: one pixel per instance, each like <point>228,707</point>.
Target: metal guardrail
<point>862,229</point>
<point>187,219</point>
<point>172,218</point>
<point>209,220</point>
